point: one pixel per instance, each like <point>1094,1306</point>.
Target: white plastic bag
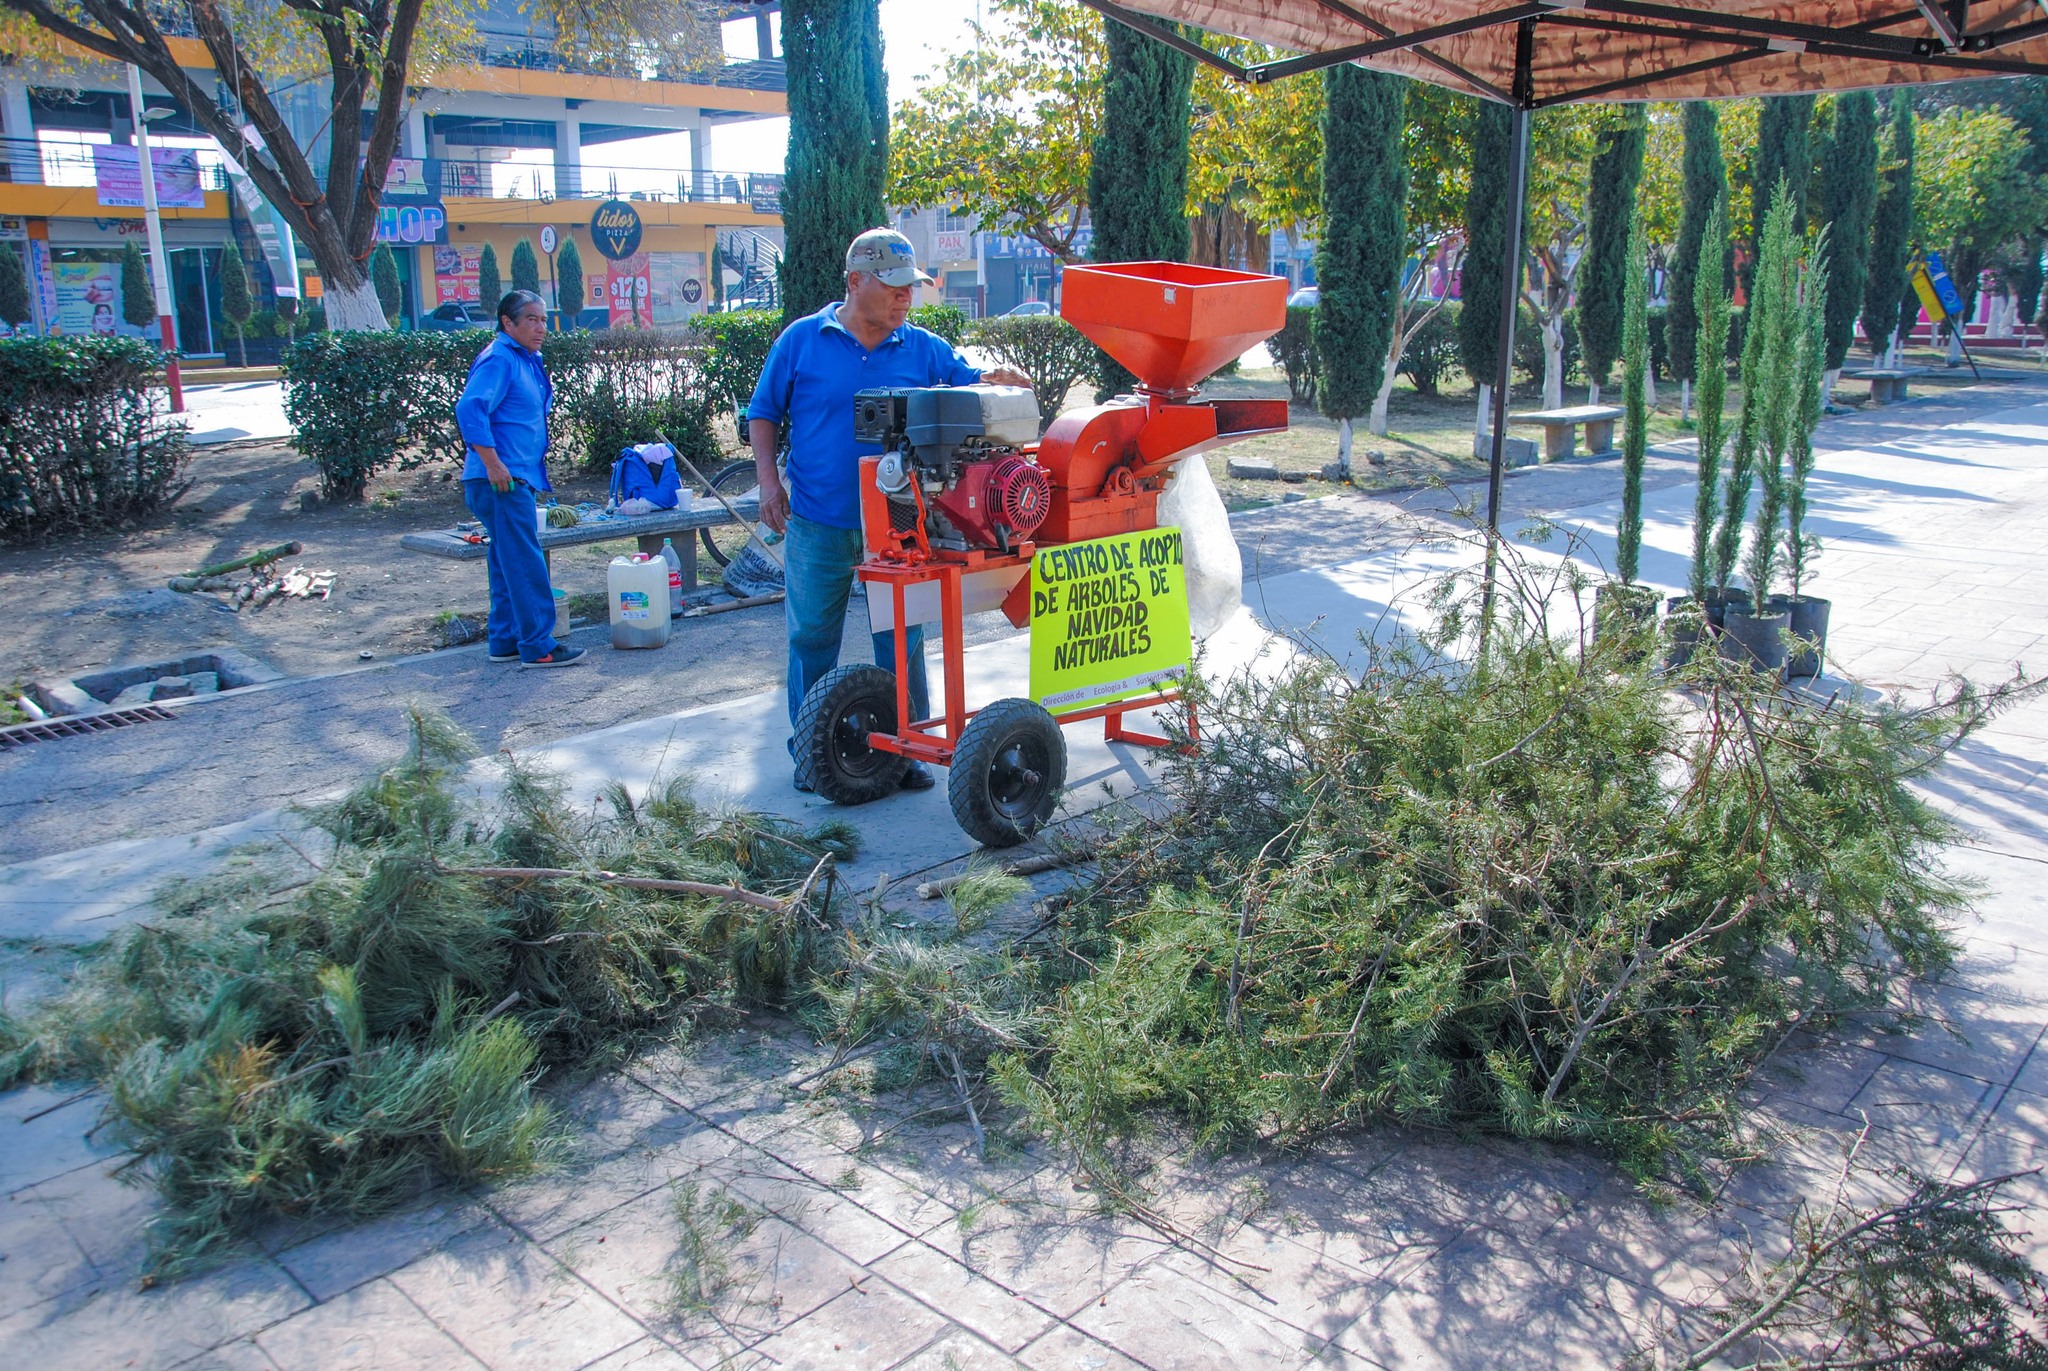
<point>1215,571</point>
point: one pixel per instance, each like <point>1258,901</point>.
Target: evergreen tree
<point>1782,152</point>
<point>490,287</point>
<point>1889,304</point>
<point>1635,370</point>
<point>138,301</point>
<point>1848,197</point>
<point>1704,184</point>
<point>1138,177</point>
<point>14,301</point>
<point>1617,169</point>
<point>1710,370</point>
<point>235,305</point>
<point>384,277</point>
<point>1486,240</point>
<point>525,267</point>
<point>569,282</point>
<point>1358,259</point>
<point>838,144</point>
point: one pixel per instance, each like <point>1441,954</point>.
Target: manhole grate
<point>72,726</point>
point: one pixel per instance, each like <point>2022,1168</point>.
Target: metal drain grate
<point>72,726</point>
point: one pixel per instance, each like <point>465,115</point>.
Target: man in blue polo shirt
<point>812,374</point>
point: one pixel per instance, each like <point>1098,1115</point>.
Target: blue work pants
<point>522,599</point>
<point>817,577</point>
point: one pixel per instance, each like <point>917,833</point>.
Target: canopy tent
<point>1534,55</point>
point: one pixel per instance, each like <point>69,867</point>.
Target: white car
<point>1028,307</point>
<point>1305,298</point>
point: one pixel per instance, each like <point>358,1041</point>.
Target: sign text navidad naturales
<point>1109,618</point>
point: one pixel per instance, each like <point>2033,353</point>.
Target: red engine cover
<point>1008,491</point>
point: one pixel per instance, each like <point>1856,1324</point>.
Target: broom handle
<point>720,496</point>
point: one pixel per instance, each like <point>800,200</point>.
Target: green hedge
<point>1051,352</point>
<point>1432,353</point>
<point>950,322</point>
<point>86,437</point>
<point>1294,348</point>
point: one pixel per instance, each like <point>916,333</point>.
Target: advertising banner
<point>1109,619</point>
<point>412,225</point>
<point>1945,289</point>
<point>1923,286</point>
<point>948,246</point>
<point>410,179</point>
<point>627,290</point>
<point>764,194</point>
<point>118,172</point>
<point>88,298</point>
<point>455,272</point>
<point>273,234</point>
<point>676,286</point>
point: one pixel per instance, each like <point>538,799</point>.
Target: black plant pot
<point>1719,602</point>
<point>1809,626</point>
<point>1626,614</point>
<point>1755,640</point>
<point>1684,625</point>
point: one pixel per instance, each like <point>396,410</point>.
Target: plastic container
<point>637,590</point>
<point>674,560</point>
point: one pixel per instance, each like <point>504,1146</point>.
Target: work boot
<point>918,777</point>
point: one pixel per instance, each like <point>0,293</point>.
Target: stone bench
<point>1887,384</point>
<point>650,529</point>
<point>1558,424</point>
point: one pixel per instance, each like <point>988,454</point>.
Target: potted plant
<point>1808,613</point>
<point>1626,607</point>
<point>1686,614</point>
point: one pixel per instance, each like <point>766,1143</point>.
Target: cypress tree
<point>1782,151</point>
<point>490,287</point>
<point>14,301</point>
<point>1848,197</point>
<point>1603,273</point>
<point>138,301</point>
<point>1888,301</point>
<point>1486,236</point>
<point>1358,260</point>
<point>1704,182</point>
<point>525,267</point>
<point>384,279</point>
<point>235,305</point>
<point>569,282</point>
<point>1635,428</point>
<point>838,144</point>
<point>1138,177</point>
<point>1710,369</point>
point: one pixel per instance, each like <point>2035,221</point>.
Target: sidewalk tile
<point>648,1354</point>
<point>1003,1317</point>
<point>372,1327</point>
<point>116,1325</point>
<point>350,1255</point>
<point>873,1325</point>
<point>1165,1319</point>
<point>39,1259</point>
<point>52,1145</point>
<point>547,1205</point>
<point>959,1351</point>
<point>1069,1349</point>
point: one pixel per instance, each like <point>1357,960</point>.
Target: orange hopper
<point>1169,323</point>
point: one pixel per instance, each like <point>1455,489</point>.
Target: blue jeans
<point>522,599</point>
<point>817,577</point>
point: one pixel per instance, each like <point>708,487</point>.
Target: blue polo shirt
<point>505,405</point>
<point>807,386</point>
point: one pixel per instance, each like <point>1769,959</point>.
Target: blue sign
<point>615,228</point>
<point>412,225</point>
<point>1944,288</point>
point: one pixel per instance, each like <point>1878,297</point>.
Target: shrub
<point>85,440</point>
<point>1432,352</point>
<point>616,387</point>
<point>737,346</point>
<point>1660,356</point>
<point>950,322</point>
<point>1046,348</point>
<point>1294,348</point>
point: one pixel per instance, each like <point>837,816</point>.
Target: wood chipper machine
<point>965,493</point>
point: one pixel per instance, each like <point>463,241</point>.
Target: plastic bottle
<point>634,587</point>
<point>675,577</point>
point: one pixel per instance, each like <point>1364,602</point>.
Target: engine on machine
<point>956,478</point>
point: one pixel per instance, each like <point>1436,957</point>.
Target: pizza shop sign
<point>615,228</point>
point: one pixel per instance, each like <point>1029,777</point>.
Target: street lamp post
<point>160,265</point>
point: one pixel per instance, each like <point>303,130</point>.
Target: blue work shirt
<point>808,385</point>
<point>505,405</point>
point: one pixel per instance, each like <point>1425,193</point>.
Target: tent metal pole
<point>1510,292</point>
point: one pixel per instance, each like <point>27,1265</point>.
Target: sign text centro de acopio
<point>615,228</point>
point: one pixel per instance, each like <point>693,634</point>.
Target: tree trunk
<point>1377,424</point>
<point>1830,378</point>
<point>241,348</point>
<point>1684,401</point>
<point>1955,343</point>
<point>1483,416</point>
<point>1553,361</point>
<point>354,306</point>
<point>1344,448</point>
<point>1649,388</point>
<point>1592,392</point>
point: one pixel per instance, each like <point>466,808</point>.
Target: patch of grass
<point>11,711</point>
<point>708,1224</point>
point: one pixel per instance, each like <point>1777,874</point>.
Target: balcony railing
<point>546,181</point>
<point>30,162</point>
<point>528,54</point>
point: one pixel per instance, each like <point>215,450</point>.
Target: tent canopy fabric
<point>1540,54</point>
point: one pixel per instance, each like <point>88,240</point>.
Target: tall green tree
<point>525,267</point>
<point>838,164</point>
<point>569,282</point>
<point>1138,180</point>
<point>1848,199</point>
<point>1486,240</point>
<point>14,300</point>
<point>138,300</point>
<point>1710,369</point>
<point>1617,168</point>
<point>1973,191</point>
<point>384,276</point>
<point>1704,187</point>
<point>490,284</point>
<point>1784,151</point>
<point>1635,425</point>
<point>1888,300</point>
<point>235,305</point>
<point>1358,258</point>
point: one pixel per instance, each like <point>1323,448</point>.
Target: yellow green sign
<point>1109,619</point>
<point>1923,286</point>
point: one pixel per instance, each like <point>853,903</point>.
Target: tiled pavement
<point>869,1236</point>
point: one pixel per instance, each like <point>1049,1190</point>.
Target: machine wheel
<point>1007,772</point>
<point>832,730</point>
<point>732,480</point>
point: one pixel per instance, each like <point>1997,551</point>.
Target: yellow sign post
<point>1109,619</point>
<point>1923,286</point>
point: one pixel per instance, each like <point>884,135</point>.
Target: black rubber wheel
<point>732,480</point>
<point>832,730</point>
<point>1007,772</point>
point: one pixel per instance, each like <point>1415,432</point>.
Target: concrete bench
<point>1557,425</point>
<point>1887,384</point>
<point>650,529</point>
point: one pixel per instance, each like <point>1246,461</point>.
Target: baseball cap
<point>887,254</point>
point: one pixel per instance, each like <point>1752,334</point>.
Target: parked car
<point>1305,298</point>
<point>1028,307</point>
<point>455,316</point>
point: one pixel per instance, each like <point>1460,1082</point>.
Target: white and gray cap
<point>888,255</point>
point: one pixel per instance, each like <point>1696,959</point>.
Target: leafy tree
<point>1486,241</point>
<point>1972,191</point>
<point>838,162</point>
<point>1358,259</point>
<point>1889,304</point>
<point>525,267</point>
<point>1784,151</point>
<point>138,299</point>
<point>1617,168</point>
<point>1254,157</point>
<point>1848,198</point>
<point>235,305</point>
<point>1434,151</point>
<point>490,287</point>
<point>1561,144</point>
<point>384,276</point>
<point>14,299</point>
<point>569,282</point>
<point>1138,179</point>
<point>1705,182</point>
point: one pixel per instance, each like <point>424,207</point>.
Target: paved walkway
<point>883,1243</point>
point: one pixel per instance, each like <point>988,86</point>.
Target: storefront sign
<point>627,291</point>
<point>88,298</point>
<point>675,287</point>
<point>615,228</point>
<point>412,225</point>
<point>411,180</point>
<point>1109,619</point>
<point>764,194</point>
<point>455,273</point>
<point>118,172</point>
<point>952,247</point>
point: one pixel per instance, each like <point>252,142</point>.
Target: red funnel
<point>1169,323</point>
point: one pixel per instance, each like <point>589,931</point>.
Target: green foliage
<point>235,305</point>
<point>1486,230</point>
<point>569,282</point>
<point>1710,367</point>
<point>1432,351</point>
<point>384,277</point>
<point>1659,322</point>
<point>1635,424</point>
<point>138,298</point>
<point>838,144</point>
<point>738,342</point>
<point>1888,302</point>
<point>85,440</point>
<point>1973,191</point>
<point>1772,372</point>
<point>1848,198</point>
<point>1617,169</point>
<point>1358,259</point>
<point>948,321</point>
<point>1705,182</point>
<point>277,1044</point>
<point>525,267</point>
<point>14,298</point>
<point>1294,348</point>
<point>1815,315</point>
<point>1784,151</point>
<point>490,289</point>
<point>1046,348</point>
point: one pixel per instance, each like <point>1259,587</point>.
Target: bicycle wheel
<point>733,480</point>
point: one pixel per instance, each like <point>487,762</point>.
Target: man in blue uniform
<point>812,374</point>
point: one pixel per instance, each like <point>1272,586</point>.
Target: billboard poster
<point>409,179</point>
<point>455,271</point>
<point>118,172</point>
<point>88,298</point>
<point>626,290</point>
<point>675,285</point>
<point>764,194</point>
<point>412,225</point>
<point>948,246</point>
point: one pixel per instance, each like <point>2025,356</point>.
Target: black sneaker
<point>918,777</point>
<point>561,656</point>
<point>511,656</point>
